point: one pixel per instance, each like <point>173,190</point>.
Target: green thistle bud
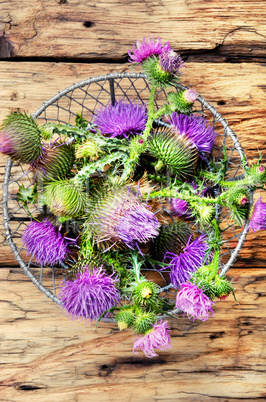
<point>172,238</point>
<point>136,147</point>
<point>182,100</point>
<point>156,75</point>
<point>205,213</point>
<point>173,151</point>
<point>145,294</point>
<point>87,149</point>
<point>222,287</point>
<point>20,138</point>
<point>237,197</point>
<point>258,173</point>
<point>144,322</point>
<point>64,198</point>
<point>54,163</point>
<point>125,319</point>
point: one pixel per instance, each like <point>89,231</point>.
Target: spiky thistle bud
<point>20,138</point>
<point>125,319</point>
<point>174,152</point>
<point>54,163</point>
<point>172,238</point>
<point>182,100</point>
<point>258,173</point>
<point>144,322</point>
<point>64,198</point>
<point>145,294</point>
<point>204,212</point>
<point>87,149</point>
<point>136,147</point>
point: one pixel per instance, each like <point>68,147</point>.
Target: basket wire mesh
<point>87,97</point>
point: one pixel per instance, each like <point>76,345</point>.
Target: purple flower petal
<point>258,216</point>
<point>196,129</point>
<point>122,119</point>
<point>157,338</point>
<point>89,295</point>
<point>193,302</point>
<point>141,51</point>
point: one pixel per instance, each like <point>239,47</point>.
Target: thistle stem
<point>173,193</point>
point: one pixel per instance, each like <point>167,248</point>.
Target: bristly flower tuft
<point>142,50</point>
<point>89,295</point>
<point>156,338</point>
<point>122,119</point>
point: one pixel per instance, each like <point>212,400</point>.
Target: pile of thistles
<point>134,188</point>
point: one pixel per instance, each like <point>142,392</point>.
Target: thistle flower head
<point>121,119</point>
<point>258,216</point>
<point>54,163</point>
<point>196,129</point>
<point>258,173</point>
<point>188,261</point>
<point>145,294</point>
<point>170,61</point>
<point>20,138</point>
<point>182,100</point>
<point>173,152</point>
<point>64,198</point>
<point>87,149</point>
<point>45,242</point>
<point>120,216</point>
<point>125,318</point>
<point>194,302</point>
<point>144,322</point>
<point>147,48</point>
<point>89,295</point>
<point>179,207</point>
<point>171,238</point>
<point>156,338</point>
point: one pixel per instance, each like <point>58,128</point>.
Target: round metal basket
<point>86,97</point>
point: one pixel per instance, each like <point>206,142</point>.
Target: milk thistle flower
<point>45,242</point>
<point>170,61</point>
<point>193,302</point>
<point>258,216</point>
<point>156,338</point>
<point>120,216</point>
<point>142,50</point>
<point>89,295</point>
<point>122,119</point>
<point>188,261</point>
<point>196,129</point>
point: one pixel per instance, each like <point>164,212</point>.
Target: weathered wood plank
<point>55,359</point>
<point>79,29</point>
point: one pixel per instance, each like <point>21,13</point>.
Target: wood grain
<point>46,357</point>
<point>78,29</point>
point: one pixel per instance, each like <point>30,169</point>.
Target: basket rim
<point>111,76</point>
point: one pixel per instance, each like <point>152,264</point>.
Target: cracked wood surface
<point>78,28</point>
<point>45,357</point>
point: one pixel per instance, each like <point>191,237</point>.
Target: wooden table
<point>48,45</point>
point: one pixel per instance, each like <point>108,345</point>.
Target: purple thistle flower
<point>188,261</point>
<point>122,217</point>
<point>45,242</point>
<point>156,338</point>
<point>258,216</point>
<point>7,143</point>
<point>141,51</point>
<point>122,119</point>
<point>190,95</point>
<point>89,295</point>
<point>196,129</point>
<point>193,302</point>
<point>170,61</point>
<point>179,207</point>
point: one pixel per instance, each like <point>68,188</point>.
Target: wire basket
<point>86,97</point>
